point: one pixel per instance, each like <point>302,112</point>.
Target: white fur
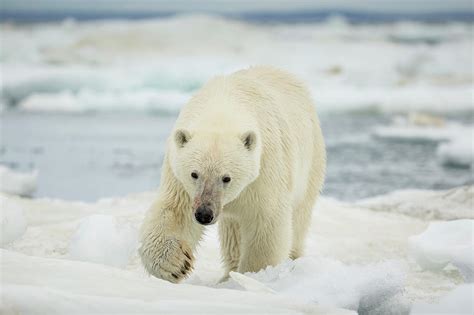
<point>265,211</point>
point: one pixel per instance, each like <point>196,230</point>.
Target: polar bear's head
<point>214,168</point>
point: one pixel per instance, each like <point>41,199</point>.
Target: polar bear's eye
<point>226,179</point>
<point>194,175</point>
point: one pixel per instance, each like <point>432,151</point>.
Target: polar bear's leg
<point>168,239</point>
<point>301,224</point>
<point>229,235</point>
<point>265,241</point>
<point>169,234</point>
<point>303,212</point>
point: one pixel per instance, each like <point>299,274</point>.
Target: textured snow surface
<point>15,183</point>
<point>446,242</point>
<point>356,258</point>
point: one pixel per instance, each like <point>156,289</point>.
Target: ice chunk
<point>457,152</point>
<point>23,184</point>
<point>13,220</point>
<point>328,282</point>
<point>101,239</point>
<point>443,243</point>
<point>459,301</point>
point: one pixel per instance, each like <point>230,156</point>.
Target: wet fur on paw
<point>170,260</point>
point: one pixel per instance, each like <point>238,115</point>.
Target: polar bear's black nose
<point>204,215</point>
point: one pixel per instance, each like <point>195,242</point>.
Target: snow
<point>446,242</point>
<point>101,239</point>
<point>356,258</point>
<point>459,301</point>
<point>13,220</point>
<point>12,182</point>
<point>458,152</point>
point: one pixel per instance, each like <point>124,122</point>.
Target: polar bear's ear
<point>181,137</point>
<point>249,139</point>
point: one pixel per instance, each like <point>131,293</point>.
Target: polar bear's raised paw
<point>170,260</point>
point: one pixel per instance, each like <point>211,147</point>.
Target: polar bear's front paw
<point>170,260</point>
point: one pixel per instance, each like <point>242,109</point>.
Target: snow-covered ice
<point>13,220</point>
<point>449,204</point>
<point>101,239</point>
<point>12,182</point>
<point>446,242</point>
<point>356,258</point>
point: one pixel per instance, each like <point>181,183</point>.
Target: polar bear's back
<point>276,96</point>
<point>288,123</point>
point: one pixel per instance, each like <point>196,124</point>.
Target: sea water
<point>89,156</point>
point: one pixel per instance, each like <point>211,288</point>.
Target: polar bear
<point>247,152</point>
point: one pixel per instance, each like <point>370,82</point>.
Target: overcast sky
<point>224,6</point>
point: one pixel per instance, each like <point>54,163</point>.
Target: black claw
<point>175,276</point>
<point>183,272</point>
<point>187,255</point>
<point>187,265</point>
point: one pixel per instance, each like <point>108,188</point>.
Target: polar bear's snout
<point>204,215</point>
<point>207,202</point>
